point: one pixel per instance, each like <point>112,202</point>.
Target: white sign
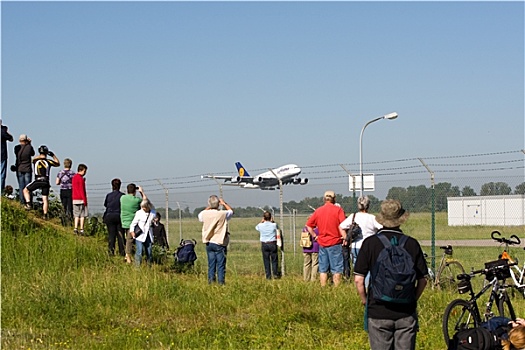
<point>355,182</point>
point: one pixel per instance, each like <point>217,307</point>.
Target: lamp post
<point>390,116</point>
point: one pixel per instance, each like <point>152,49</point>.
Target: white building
<point>487,210</point>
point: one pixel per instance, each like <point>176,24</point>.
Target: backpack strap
<point>400,243</point>
<point>384,240</point>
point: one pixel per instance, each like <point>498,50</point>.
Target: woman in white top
<point>143,219</point>
<point>367,222</point>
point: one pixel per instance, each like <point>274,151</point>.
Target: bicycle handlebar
<point>484,271</point>
<point>500,239</point>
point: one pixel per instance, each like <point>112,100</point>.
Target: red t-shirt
<point>327,219</point>
<point>78,186</point>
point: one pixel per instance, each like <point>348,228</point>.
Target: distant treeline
<point>414,199</point>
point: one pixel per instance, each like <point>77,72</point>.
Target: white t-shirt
<point>367,222</point>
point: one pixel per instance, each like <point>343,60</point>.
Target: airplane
<point>265,181</point>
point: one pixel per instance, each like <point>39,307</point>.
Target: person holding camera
<point>216,237</point>
<point>129,205</point>
<point>268,237</point>
<point>6,136</point>
<point>42,168</point>
<point>23,166</point>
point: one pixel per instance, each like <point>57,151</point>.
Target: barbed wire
<point>188,182</point>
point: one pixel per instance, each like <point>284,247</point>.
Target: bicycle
<point>463,314</point>
<point>448,269</point>
<point>517,274</point>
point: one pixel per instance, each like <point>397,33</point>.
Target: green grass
<point>63,292</point>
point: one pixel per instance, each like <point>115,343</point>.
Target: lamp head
<point>392,115</point>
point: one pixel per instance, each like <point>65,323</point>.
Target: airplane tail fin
<point>241,170</point>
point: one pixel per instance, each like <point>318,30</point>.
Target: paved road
<point>426,243</point>
<point>461,243</point>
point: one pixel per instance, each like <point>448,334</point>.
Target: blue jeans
<point>216,262</point>
<point>393,334</point>
<point>138,251</point>
<point>355,252</point>
<point>23,180</point>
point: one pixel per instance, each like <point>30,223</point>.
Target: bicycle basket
<point>498,268</point>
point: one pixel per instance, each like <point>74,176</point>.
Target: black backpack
<point>186,251</point>
<point>479,338</point>
<point>393,275</point>
<point>486,337</point>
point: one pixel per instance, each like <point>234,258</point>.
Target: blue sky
<point>172,90</point>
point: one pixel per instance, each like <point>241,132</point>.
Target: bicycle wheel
<point>505,307</point>
<point>446,278</point>
<point>458,316</point>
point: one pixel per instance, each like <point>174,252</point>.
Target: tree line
<point>414,199</point>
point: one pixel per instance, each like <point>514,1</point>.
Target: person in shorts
<point>42,168</point>
<point>79,196</point>
<point>330,238</point>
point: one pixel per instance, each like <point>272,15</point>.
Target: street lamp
<point>392,115</point>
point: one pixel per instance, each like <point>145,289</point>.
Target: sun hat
<point>392,213</point>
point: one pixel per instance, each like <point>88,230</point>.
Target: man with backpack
<point>398,277</point>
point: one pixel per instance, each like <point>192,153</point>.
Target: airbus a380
<point>265,181</point>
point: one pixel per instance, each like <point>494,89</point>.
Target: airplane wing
<point>233,179</point>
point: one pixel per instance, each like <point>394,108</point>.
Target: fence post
<point>433,224</point>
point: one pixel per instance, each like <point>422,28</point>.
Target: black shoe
<point>45,217</point>
<point>27,206</point>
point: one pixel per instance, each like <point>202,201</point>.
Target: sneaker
<point>75,231</point>
<point>27,206</point>
<point>81,232</point>
<point>44,217</point>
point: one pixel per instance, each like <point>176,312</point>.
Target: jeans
<point>23,180</point>
<point>149,250</point>
<point>216,262</point>
<point>270,260</point>
<point>115,233</point>
<point>3,173</point>
<point>393,334</point>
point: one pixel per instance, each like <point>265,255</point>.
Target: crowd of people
<point>133,223</point>
<point>126,216</point>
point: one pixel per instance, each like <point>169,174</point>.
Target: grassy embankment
<point>63,292</point>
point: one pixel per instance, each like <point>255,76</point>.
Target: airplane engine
<point>304,182</point>
<point>297,181</point>
<point>258,179</point>
<point>236,179</point>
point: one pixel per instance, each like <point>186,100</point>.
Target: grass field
<point>64,292</point>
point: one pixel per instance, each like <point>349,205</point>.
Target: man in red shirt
<point>327,219</point>
<point>79,196</point>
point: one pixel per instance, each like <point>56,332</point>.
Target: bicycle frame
<point>495,293</point>
<point>437,277</point>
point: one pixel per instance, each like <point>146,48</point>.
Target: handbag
<point>353,232</point>
<point>138,231</point>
